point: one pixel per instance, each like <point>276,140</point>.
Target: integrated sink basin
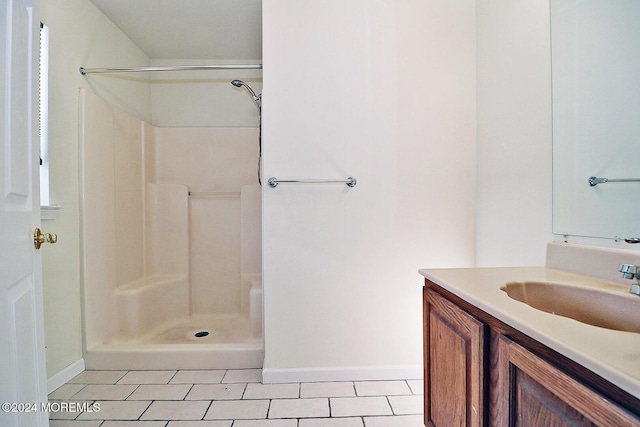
<point>610,310</point>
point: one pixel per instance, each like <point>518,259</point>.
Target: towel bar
<point>273,181</point>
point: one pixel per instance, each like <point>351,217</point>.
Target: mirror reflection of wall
<point>595,47</point>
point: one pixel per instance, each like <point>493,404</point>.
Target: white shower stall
<point>171,243</point>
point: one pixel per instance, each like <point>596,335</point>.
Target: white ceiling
<point>190,29</point>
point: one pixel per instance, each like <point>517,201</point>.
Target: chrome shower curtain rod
<point>85,71</point>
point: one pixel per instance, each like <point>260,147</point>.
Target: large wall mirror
<point>595,51</point>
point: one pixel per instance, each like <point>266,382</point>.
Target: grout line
<point>226,371</point>
<point>393,413</point>
<point>244,391</point>
<point>266,417</point>
<point>172,377</point>
<point>137,386</point>
<point>207,410</point>
<point>143,412</point>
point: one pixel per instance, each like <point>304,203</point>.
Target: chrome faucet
<point>630,271</point>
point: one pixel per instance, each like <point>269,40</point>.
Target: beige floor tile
<point>113,410</point>
<point>65,391</point>
<point>199,423</point>
<point>68,409</point>
<point>74,423</point>
<point>243,376</point>
<point>299,408</point>
<point>134,424</point>
<point>160,392</point>
<point>147,377</point>
<point>271,391</point>
<point>237,409</point>
<point>198,377</point>
<point>417,386</point>
<point>176,410</point>
<point>216,392</point>
<point>331,422</point>
<point>381,388</point>
<point>265,423</point>
<point>235,398</point>
<point>98,377</point>
<point>328,389</point>
<point>63,415</point>
<point>359,406</point>
<point>407,405</point>
<point>397,421</point>
<point>105,392</point>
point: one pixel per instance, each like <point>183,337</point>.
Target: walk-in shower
<point>171,242</point>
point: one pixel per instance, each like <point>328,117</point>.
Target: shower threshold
<point>207,342</point>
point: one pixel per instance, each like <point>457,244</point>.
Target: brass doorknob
<point>39,238</point>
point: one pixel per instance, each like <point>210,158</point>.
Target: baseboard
<point>65,375</point>
<point>368,373</point>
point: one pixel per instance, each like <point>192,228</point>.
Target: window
<point>46,210</point>
<point>44,115</point>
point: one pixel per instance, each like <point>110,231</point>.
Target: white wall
<point>80,36</point>
<point>514,132</point>
<point>383,91</point>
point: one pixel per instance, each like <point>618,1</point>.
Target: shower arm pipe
<point>593,181</point>
<point>85,71</point>
<point>273,181</point>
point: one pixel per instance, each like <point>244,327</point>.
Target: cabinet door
<point>454,364</point>
<point>537,394</point>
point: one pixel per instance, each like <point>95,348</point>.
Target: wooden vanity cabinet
<point>454,361</point>
<point>480,372</point>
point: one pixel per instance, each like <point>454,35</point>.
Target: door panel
<point>22,355</point>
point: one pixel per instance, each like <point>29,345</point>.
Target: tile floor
<point>230,398</point>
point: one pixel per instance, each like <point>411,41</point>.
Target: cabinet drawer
<point>536,394</point>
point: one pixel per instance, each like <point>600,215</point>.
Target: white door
<point>22,362</point>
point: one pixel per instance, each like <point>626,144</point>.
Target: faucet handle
<point>629,271</point>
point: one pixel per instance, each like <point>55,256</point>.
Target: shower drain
<point>201,334</point>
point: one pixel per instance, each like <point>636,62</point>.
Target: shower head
<point>256,98</point>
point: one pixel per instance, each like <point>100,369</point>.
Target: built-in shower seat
<point>147,304</point>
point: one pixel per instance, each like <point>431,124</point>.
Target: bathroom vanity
<point>492,359</point>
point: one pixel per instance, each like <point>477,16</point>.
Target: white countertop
<point>613,355</point>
